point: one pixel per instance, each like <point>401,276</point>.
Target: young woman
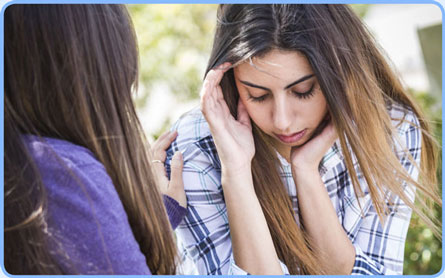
<point>306,153</point>
<point>80,193</point>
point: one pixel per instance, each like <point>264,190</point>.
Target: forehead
<point>275,66</point>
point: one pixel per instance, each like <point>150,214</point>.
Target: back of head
<point>70,72</point>
<point>68,64</point>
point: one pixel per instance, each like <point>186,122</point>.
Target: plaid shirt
<point>204,235</point>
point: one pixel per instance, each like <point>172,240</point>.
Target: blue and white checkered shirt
<point>204,234</point>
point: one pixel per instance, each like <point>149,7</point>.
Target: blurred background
<point>175,42</point>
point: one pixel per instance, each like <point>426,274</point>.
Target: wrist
<point>236,170</point>
<point>237,179</point>
<point>305,176</point>
<point>303,170</point>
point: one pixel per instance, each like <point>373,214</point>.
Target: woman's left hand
<point>330,242</point>
<point>174,187</point>
<point>306,158</point>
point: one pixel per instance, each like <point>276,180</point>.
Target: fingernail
<point>223,65</point>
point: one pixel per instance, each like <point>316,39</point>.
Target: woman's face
<point>282,96</point>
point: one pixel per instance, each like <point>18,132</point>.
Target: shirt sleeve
<point>380,249</point>
<point>204,233</point>
<point>88,226</point>
<point>175,211</point>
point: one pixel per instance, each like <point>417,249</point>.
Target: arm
<point>248,226</point>
<point>321,222</point>
<point>253,248</point>
<point>175,211</point>
<point>318,215</point>
<point>369,247</point>
<point>204,233</point>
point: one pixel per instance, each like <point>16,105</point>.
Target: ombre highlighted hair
<point>358,85</point>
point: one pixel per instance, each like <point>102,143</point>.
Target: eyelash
<point>306,95</point>
<point>258,99</point>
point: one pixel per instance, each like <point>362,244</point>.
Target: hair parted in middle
<point>358,85</point>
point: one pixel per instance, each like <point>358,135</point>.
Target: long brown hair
<point>70,73</point>
<point>358,86</point>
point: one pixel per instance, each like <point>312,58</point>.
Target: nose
<point>282,115</point>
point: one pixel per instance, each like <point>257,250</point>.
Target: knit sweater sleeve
<point>175,211</point>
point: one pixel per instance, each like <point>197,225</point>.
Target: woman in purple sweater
<point>80,191</point>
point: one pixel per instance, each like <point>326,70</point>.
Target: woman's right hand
<point>233,137</point>
<point>174,187</point>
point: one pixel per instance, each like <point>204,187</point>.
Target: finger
<point>211,83</point>
<point>208,95</point>
<point>215,75</point>
<point>176,166</point>
<point>219,93</point>
<point>329,135</point>
<point>207,104</point>
<point>163,135</point>
<point>155,145</point>
<point>159,168</point>
<point>222,102</point>
<point>161,177</point>
<point>224,66</point>
<point>162,144</point>
<point>331,132</point>
<point>242,115</point>
<point>176,186</point>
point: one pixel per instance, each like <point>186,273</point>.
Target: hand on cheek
<point>307,157</point>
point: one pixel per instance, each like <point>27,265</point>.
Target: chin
<point>299,143</point>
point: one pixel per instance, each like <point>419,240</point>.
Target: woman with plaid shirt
<point>305,155</point>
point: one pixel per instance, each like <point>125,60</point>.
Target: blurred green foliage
<point>423,251</point>
<point>175,42</point>
<point>360,9</point>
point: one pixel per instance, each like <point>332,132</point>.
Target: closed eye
<point>258,99</point>
<point>305,95</point>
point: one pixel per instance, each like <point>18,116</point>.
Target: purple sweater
<point>87,224</point>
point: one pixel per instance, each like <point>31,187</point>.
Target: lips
<point>292,138</point>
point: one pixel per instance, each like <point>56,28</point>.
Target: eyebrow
<point>306,77</point>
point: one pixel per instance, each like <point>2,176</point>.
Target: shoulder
<point>52,152</point>
<point>407,129</point>
<point>191,127</point>
<point>69,168</point>
<point>403,118</point>
<point>194,140</point>
<point>406,135</point>
<point>89,227</point>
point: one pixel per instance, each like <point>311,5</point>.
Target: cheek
<point>320,109</point>
<point>314,111</point>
